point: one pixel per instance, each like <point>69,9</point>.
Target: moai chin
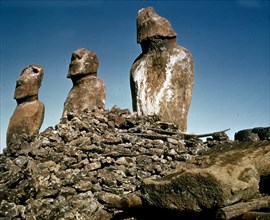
<point>162,77</point>
<point>29,113</point>
<point>88,90</point>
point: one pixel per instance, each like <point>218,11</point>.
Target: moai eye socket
<point>76,56</point>
<point>18,83</point>
<point>35,70</point>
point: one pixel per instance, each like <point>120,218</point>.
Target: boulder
<point>162,76</point>
<point>88,90</point>
<point>29,113</point>
<point>224,175</point>
<point>254,134</point>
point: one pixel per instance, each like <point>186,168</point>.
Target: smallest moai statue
<point>88,90</point>
<point>29,112</point>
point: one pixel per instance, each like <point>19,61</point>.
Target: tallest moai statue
<point>162,77</point>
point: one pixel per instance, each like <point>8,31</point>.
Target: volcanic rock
<point>224,175</point>
<point>29,113</point>
<point>162,76</point>
<point>88,90</point>
<point>91,166</point>
<point>150,25</point>
<point>254,134</point>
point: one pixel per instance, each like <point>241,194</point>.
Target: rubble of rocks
<point>91,166</point>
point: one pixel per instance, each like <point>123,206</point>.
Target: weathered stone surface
<point>245,209</point>
<point>84,168</point>
<point>225,175</point>
<point>29,82</point>
<point>83,160</point>
<point>25,121</point>
<point>255,134</point>
<point>83,62</point>
<point>29,113</point>
<point>88,90</point>
<point>150,25</point>
<point>162,76</point>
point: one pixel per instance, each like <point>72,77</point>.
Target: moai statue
<point>88,90</point>
<point>29,112</point>
<point>162,77</point>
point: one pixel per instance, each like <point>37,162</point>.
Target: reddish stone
<point>162,76</point>
<point>88,90</point>
<point>29,113</point>
<point>83,62</point>
<point>150,25</point>
<point>29,82</point>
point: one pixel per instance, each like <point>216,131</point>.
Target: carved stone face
<point>29,82</point>
<point>83,62</point>
<point>152,26</point>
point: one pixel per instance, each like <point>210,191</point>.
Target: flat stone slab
<point>227,174</point>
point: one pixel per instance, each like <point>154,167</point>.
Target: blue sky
<point>229,41</point>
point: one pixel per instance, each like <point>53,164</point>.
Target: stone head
<point>29,82</point>
<point>83,62</point>
<point>150,26</point>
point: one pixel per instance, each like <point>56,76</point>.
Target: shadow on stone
<point>145,213</point>
<point>264,184</point>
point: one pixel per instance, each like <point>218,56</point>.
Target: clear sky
<point>229,41</point>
